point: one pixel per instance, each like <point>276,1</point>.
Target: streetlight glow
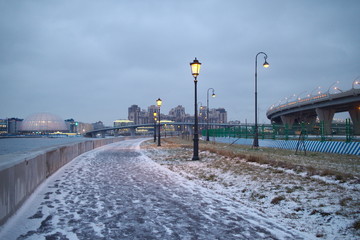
<point>195,68</point>
<point>266,64</point>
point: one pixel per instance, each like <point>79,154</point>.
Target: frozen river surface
<point>115,192</point>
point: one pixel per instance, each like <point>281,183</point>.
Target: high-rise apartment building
<point>177,114</point>
<point>134,113</point>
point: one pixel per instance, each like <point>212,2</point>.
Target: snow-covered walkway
<point>115,192</point>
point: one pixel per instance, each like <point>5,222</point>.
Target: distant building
<point>221,115</point>
<point>98,125</point>
<point>14,125</point>
<point>202,114</point>
<point>177,114</point>
<point>40,123</point>
<point>82,128</point>
<point>151,110</point>
<point>143,117</point>
<point>71,125</point>
<point>134,113</point>
<point>3,126</point>
<point>123,122</point>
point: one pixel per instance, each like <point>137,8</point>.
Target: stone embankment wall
<point>18,181</point>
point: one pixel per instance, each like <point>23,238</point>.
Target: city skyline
<point>146,113</point>
<point>91,60</point>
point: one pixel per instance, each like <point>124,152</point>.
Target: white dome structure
<point>43,122</point>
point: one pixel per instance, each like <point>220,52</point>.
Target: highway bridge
<point>322,106</point>
<point>133,128</point>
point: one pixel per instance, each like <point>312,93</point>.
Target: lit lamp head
<point>266,64</point>
<point>159,102</point>
<point>195,68</point>
<point>213,94</point>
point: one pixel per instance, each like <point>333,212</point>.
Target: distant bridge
<point>133,128</point>
<point>323,106</point>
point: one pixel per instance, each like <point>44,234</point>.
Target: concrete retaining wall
<point>18,181</point>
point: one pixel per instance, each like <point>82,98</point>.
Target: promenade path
<point>116,192</point>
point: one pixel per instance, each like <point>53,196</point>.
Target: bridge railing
<point>339,132</point>
<point>311,100</point>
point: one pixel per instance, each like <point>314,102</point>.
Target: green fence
<point>319,131</point>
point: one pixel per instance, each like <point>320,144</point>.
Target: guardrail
<point>339,132</point>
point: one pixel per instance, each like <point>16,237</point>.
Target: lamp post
<point>298,96</point>
<point>266,65</point>
<point>195,69</point>
<point>336,88</point>
<point>316,89</point>
<point>207,112</point>
<point>355,82</point>
<point>158,103</point>
<point>331,87</point>
<point>155,126</point>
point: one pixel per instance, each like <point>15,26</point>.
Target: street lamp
<point>266,65</point>
<point>316,89</point>
<point>331,87</point>
<point>195,69</point>
<point>356,82</point>
<point>207,112</point>
<point>336,88</point>
<point>158,103</point>
<point>298,96</point>
<point>155,126</point>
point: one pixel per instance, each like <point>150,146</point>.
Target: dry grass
<point>341,167</point>
<point>356,225</point>
<point>277,199</point>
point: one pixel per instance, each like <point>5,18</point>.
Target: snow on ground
<point>320,206</point>
<point>116,192</point>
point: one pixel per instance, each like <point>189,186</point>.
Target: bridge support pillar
<point>93,135</point>
<point>355,118</point>
<point>326,116</point>
<point>116,132</point>
<point>288,120</point>
<point>103,134</point>
<point>132,131</point>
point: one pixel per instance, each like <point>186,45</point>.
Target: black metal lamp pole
<point>207,112</point>
<point>195,69</point>
<point>266,65</point>
<point>159,102</point>
<point>155,126</point>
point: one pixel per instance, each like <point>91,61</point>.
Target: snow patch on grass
<point>322,205</point>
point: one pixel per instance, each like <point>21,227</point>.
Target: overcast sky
<point>91,60</point>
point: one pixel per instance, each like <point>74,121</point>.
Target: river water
<point>21,145</point>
